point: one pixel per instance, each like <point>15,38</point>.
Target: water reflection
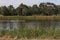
<point>13,24</point>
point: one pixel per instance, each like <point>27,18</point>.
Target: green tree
<point>58,10</point>
<point>35,10</point>
<point>22,9</point>
<point>4,11</point>
<point>12,10</point>
<point>29,11</point>
<point>0,11</point>
<point>47,8</point>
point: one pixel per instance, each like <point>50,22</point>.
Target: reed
<point>30,18</point>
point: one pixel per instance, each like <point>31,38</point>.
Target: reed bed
<point>30,18</point>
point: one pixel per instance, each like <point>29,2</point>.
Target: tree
<point>12,10</point>
<point>29,11</point>
<point>22,9</point>
<point>48,8</point>
<point>4,11</point>
<point>58,9</point>
<point>0,11</point>
<point>35,10</point>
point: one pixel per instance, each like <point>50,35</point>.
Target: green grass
<point>32,33</point>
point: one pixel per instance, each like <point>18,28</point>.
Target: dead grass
<point>30,17</point>
<point>6,37</point>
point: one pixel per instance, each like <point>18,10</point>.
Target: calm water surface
<point>12,24</point>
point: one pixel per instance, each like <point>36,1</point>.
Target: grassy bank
<point>30,17</point>
<point>32,33</point>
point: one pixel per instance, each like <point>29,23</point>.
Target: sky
<point>15,3</point>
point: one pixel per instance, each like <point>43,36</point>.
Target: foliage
<point>41,32</point>
<point>24,10</point>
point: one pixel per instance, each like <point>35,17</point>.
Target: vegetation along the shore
<point>46,9</point>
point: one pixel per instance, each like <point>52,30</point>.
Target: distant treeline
<point>44,9</point>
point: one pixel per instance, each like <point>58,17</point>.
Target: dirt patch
<point>15,38</point>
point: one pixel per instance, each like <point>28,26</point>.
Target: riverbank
<point>8,38</point>
<point>36,32</point>
<point>25,33</point>
<point>30,18</point>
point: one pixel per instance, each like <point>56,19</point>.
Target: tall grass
<point>30,18</point>
<point>22,32</point>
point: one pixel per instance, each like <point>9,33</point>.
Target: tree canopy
<point>45,9</point>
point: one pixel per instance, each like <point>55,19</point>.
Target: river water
<point>13,24</point>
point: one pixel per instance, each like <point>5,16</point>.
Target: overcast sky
<point>15,3</point>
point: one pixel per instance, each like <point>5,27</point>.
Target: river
<point>14,24</point>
